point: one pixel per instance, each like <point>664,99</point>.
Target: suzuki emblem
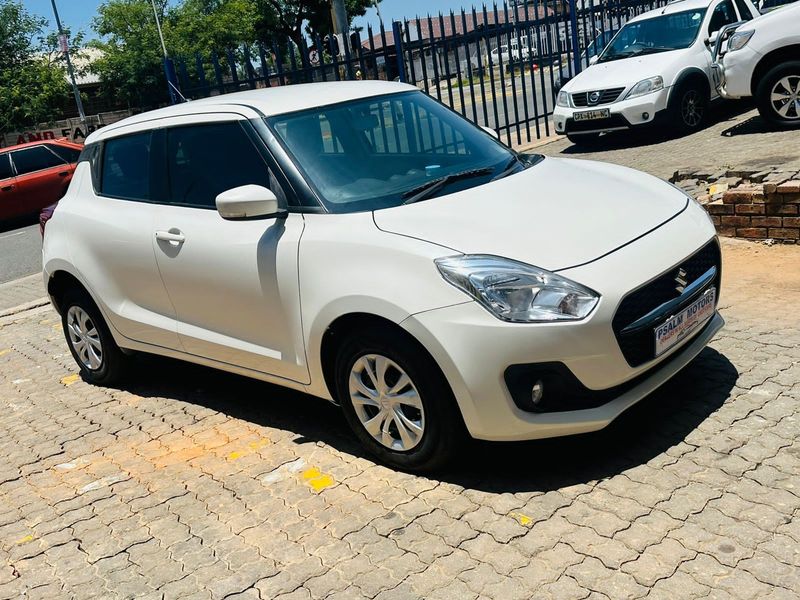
<point>681,280</point>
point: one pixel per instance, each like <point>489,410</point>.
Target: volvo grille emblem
<point>594,97</point>
<point>680,279</point>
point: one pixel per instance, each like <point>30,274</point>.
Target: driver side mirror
<point>712,39</point>
<point>249,202</point>
<point>594,59</point>
<point>491,131</point>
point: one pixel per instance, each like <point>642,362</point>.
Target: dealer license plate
<point>685,322</point>
<point>591,115</point>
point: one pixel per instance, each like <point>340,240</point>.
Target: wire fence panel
<point>500,66</point>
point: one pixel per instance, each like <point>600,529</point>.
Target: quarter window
<point>206,160</point>
<point>744,10</point>
<point>126,167</point>
<point>65,152</point>
<point>34,159</point>
<point>5,167</point>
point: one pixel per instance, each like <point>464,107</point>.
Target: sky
<point>77,14</point>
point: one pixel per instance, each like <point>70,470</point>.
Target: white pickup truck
<point>761,58</point>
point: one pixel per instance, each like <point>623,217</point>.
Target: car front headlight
<point>517,292</point>
<point>563,99</point>
<point>646,86</point>
<point>739,40</point>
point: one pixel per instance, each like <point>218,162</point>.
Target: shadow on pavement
<point>642,433</point>
<point>18,223</point>
<point>634,138</point>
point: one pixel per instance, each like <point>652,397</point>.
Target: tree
<point>294,18</point>
<point>33,85</point>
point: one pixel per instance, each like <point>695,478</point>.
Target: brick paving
<point>736,137</point>
<point>190,483</point>
<point>27,291</point>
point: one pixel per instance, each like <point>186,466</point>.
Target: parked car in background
<point>363,243</point>
<point>762,59</point>
<point>656,68</point>
<point>35,175</point>
<point>594,48</point>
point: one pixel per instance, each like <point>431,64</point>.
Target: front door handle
<point>173,237</point>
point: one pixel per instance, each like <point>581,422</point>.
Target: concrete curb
<point>24,307</point>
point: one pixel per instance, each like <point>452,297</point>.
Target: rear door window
<point>5,167</point>
<point>126,167</point>
<point>206,160</point>
<point>65,152</point>
<point>38,158</point>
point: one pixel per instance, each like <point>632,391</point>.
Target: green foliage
<point>286,18</point>
<point>33,86</point>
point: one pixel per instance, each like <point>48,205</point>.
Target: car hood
<point>627,72</point>
<point>555,215</point>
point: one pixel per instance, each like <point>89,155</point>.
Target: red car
<point>35,175</point>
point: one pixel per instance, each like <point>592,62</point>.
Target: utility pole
<point>62,38</point>
<point>169,67</point>
<point>340,23</point>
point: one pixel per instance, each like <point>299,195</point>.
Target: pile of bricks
<point>759,206</point>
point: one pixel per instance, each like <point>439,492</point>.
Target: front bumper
<point>475,350</point>
<point>623,114</point>
<point>735,73</point>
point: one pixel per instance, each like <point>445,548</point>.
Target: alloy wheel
<point>785,97</point>
<point>387,402</point>
<point>84,338</point>
<point>692,108</point>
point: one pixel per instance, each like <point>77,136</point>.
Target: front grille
<point>612,122</point>
<point>606,97</point>
<point>638,347</point>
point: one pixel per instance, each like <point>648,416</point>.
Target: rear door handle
<point>63,173</point>
<point>7,188</point>
<point>174,238</point>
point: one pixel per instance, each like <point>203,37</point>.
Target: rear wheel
<point>778,95</point>
<point>99,358</point>
<point>397,403</point>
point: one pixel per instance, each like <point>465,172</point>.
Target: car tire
<point>584,139</point>
<point>775,82</point>
<point>690,103</point>
<point>368,366</point>
<point>90,342</point>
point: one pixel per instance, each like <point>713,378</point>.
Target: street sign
<point>63,44</point>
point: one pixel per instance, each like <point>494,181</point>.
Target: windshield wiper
<point>426,189</point>
<point>510,168</point>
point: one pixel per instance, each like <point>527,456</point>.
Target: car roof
<point>268,101</point>
<point>59,141</point>
<point>671,8</point>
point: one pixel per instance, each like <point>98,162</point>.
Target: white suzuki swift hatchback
<point>363,243</point>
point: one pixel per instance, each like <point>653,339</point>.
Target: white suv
<point>657,67</point>
<point>365,244</point>
<point>762,59</point>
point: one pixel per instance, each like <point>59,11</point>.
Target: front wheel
<point>397,402</point>
<point>778,95</point>
<point>99,358</point>
<point>689,107</point>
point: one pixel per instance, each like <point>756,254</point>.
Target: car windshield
<point>659,34</point>
<point>384,151</point>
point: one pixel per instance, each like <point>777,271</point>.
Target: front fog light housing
<point>518,292</point>
<point>646,86</point>
<point>563,99</point>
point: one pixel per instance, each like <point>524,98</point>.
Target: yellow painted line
<point>317,479</point>
<point>263,442</point>
<point>24,540</point>
<point>5,351</point>
<point>70,379</point>
<point>523,520</point>
<point>234,455</point>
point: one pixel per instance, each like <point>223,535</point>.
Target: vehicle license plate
<point>590,115</point>
<point>684,323</point>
